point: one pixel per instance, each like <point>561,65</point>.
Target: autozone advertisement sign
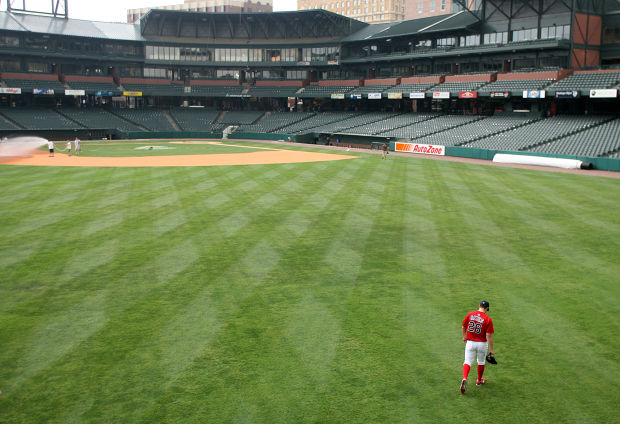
<point>425,149</point>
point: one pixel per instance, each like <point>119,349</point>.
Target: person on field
<point>50,146</point>
<point>77,146</point>
<point>478,337</point>
<point>384,149</point>
<point>68,149</point>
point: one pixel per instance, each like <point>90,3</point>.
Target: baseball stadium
<point>284,217</point>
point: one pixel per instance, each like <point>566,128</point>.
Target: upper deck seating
<point>324,91</point>
<point>272,91</point>
<point>587,81</point>
<point>375,88</point>
<point>516,86</point>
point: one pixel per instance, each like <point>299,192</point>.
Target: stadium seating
<point>456,87</point>
<point>324,91</point>
<point>539,132</point>
<point>240,117</point>
<point>389,123</point>
<point>276,122</point>
<point>28,82</point>
<point>215,88</point>
<point>474,130</point>
<point>190,119</point>
<point>516,86</point>
<point>429,124</point>
<point>599,140</point>
<point>376,88</point>
<point>266,91</point>
<point>5,124</point>
<point>91,85</point>
<point>150,119</point>
<point>40,119</point>
<point>314,122</point>
<point>586,81</point>
<point>411,87</point>
<point>98,119</point>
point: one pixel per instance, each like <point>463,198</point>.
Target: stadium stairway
<point>58,111</point>
<point>142,128</point>
<point>172,121</point>
<point>9,124</point>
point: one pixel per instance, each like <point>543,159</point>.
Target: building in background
<point>371,11</point>
<point>228,6</point>
<point>381,11</point>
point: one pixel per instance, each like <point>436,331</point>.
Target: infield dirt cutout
<point>266,156</point>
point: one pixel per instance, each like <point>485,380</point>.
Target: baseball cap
<point>484,304</point>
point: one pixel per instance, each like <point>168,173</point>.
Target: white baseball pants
<point>477,350</point>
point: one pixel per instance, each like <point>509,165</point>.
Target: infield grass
<point>328,292</point>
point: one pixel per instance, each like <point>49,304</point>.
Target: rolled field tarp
<point>537,160</point>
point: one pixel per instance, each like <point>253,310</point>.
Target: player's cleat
<point>463,386</point>
<point>480,382</point>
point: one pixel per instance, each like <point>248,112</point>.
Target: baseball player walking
<point>477,336</point>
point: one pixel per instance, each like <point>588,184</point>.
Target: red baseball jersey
<point>477,324</point>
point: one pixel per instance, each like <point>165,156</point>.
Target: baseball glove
<point>491,359</point>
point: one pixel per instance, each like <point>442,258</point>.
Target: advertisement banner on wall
<point>604,94</point>
<point>132,93</point>
<point>395,95</point>
<point>337,96</point>
<point>356,96</point>
<point>502,94</point>
<point>291,102</point>
<point>75,92</point>
<point>374,95</point>
<point>441,94</point>
<point>416,95</point>
<point>425,149</point>
<point>44,91</point>
<point>104,93</point>
<point>468,95</point>
<point>10,90</point>
<point>566,94</point>
<point>534,94</point>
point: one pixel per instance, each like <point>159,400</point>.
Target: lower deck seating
<point>194,119</point>
<point>40,119</point>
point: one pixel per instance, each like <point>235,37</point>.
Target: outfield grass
<point>328,292</point>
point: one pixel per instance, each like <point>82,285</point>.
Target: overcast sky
<point>116,10</point>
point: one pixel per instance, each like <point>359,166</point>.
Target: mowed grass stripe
<point>228,280</point>
<point>254,302</point>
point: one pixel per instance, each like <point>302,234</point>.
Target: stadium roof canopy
<point>457,21</point>
<point>303,24</point>
<point>69,27</point>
